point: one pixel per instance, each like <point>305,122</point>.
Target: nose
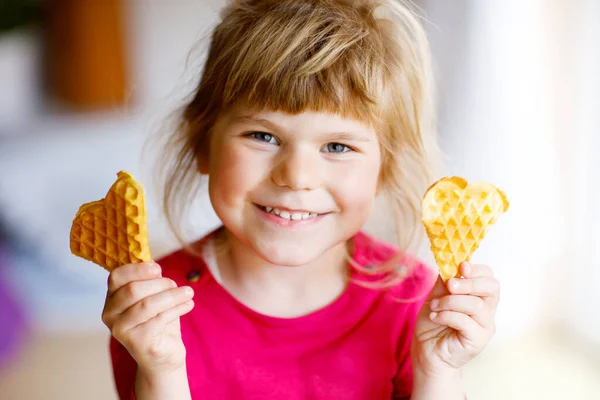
<point>297,170</point>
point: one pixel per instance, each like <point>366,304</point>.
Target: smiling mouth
<point>289,215</point>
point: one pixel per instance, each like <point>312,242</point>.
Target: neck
<point>281,291</point>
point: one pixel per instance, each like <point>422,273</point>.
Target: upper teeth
<point>294,216</point>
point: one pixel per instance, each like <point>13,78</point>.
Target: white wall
<point>166,44</point>
<point>581,317</point>
<point>498,128</point>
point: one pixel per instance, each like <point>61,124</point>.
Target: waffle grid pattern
<point>457,218</point>
<point>112,232</point>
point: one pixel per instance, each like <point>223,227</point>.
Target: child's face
<point>318,171</point>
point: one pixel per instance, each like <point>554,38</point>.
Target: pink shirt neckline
<point>319,315</point>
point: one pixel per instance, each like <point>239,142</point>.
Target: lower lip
<point>288,223</point>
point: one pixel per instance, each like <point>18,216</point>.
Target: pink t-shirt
<point>357,347</point>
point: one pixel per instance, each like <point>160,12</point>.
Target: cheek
<point>230,177</point>
<point>356,187</point>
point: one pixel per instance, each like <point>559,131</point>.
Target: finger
<point>131,293</point>
<point>163,319</point>
<point>150,307</point>
<point>484,286</point>
<point>473,306</point>
<point>469,270</point>
<point>459,321</point>
<point>131,272</point>
<point>439,289</point>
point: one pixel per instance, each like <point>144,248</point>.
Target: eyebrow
<point>247,119</point>
<point>331,136</point>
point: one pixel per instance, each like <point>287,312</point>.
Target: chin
<point>289,254</point>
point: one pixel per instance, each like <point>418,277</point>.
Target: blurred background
<point>83,84</point>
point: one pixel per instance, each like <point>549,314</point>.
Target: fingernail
<point>454,284</point>
<point>434,303</point>
<point>433,315</point>
<point>188,290</point>
<point>466,268</point>
<point>154,269</point>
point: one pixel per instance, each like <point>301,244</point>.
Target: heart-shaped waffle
<point>113,231</point>
<point>457,216</point>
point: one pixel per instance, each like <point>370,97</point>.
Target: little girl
<point>306,111</point>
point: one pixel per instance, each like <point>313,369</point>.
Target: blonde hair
<point>362,59</point>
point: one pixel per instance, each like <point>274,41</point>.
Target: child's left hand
<point>457,321</point>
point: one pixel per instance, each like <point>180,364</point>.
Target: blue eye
<point>336,148</point>
<point>264,137</point>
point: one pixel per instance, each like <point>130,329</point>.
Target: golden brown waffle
<point>113,231</point>
<point>457,216</point>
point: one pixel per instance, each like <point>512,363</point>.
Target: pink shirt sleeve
<point>124,370</point>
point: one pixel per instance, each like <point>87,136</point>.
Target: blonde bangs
<point>300,56</point>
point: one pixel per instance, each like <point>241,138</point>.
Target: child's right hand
<point>142,311</point>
